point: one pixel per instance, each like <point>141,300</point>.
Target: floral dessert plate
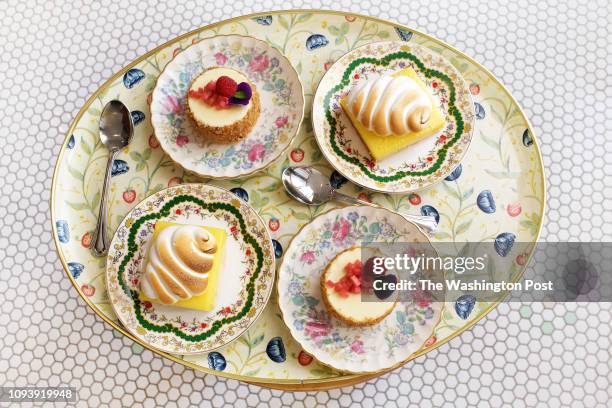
<point>414,167</point>
<point>353,349</point>
<point>281,99</point>
<point>246,276</point>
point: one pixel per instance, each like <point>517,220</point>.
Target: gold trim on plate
<point>284,384</point>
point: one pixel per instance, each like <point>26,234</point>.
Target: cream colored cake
<point>349,307</point>
<point>227,124</point>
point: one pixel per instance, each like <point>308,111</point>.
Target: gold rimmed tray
<point>503,159</point>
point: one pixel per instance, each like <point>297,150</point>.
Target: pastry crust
<point>233,132</point>
<point>325,292</point>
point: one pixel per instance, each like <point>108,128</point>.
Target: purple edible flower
<point>243,94</point>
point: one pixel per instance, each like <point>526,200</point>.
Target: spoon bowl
<point>307,185</point>
<point>116,125</point>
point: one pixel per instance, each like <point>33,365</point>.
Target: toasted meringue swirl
<point>390,105</point>
<point>178,264</point>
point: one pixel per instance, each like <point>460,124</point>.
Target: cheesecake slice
<point>391,112</point>
<point>342,283</point>
<point>223,104</point>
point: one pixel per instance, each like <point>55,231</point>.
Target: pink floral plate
<point>352,349</point>
<point>281,99</point>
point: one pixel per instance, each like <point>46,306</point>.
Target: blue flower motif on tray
<point>119,167</point>
<point>276,350</point>
<point>455,174</point>
<point>316,41</point>
<point>63,233</point>
<point>406,327</point>
<point>504,242</point>
<point>278,248</point>
<point>216,361</point>
<point>336,179</point>
<point>464,306</point>
<point>486,202</point>
<point>137,117</point>
<point>431,211</point>
<point>132,77</point>
<point>71,142</point>
<point>241,193</point>
<point>263,20</point>
<point>480,111</point>
<point>75,269</point>
<point>404,35</point>
<point>527,139</point>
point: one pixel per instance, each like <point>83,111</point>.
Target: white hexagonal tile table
<point>554,58</point>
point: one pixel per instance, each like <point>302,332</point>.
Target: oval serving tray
<point>503,165</point>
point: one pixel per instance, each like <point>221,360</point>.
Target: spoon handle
<point>425,222</point>
<point>99,244</point>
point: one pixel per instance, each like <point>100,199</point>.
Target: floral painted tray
<point>498,190</point>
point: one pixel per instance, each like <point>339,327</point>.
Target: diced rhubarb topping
<point>209,95</point>
<point>350,282</point>
<point>223,92</point>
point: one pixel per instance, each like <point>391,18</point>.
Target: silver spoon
<point>309,186</point>
<point>116,130</point>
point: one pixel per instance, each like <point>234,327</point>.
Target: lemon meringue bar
<point>391,112</point>
<point>183,266</point>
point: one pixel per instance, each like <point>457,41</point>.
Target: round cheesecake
<point>347,305</point>
<point>222,125</point>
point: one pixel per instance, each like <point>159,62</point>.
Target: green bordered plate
<point>245,281</point>
<point>417,166</point>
